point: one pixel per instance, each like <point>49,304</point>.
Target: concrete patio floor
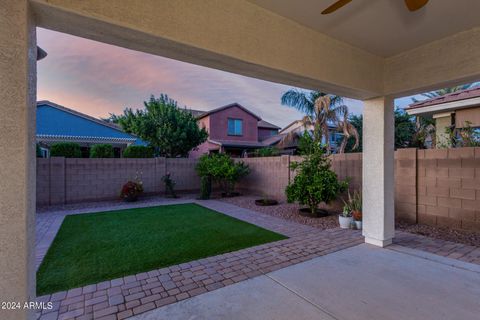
<point>361,282</point>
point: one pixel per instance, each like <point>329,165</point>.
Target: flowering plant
<point>132,189</point>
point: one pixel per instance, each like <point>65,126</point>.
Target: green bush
<point>101,151</point>
<point>222,169</point>
<point>66,149</point>
<point>315,182</point>
<point>138,152</point>
<point>205,187</point>
<point>39,151</point>
<point>266,152</point>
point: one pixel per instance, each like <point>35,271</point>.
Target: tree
<point>314,182</point>
<point>321,109</point>
<point>101,151</point>
<point>405,130</point>
<point>170,130</point>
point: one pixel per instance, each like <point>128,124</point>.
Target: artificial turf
<point>90,248</point>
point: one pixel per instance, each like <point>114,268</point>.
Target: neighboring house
<point>454,110</point>
<point>56,123</point>
<point>232,129</point>
<point>299,128</point>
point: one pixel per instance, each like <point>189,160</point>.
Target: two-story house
<point>232,129</point>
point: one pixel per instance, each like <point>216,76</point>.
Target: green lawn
<point>91,248</point>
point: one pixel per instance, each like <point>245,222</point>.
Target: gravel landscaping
<point>470,238</point>
<point>290,212</point>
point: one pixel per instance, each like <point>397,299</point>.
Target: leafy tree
<point>138,152</point>
<point>314,182</point>
<point>101,151</point>
<point>66,149</point>
<point>266,152</point>
<point>404,130</point>
<point>170,130</point>
<point>222,169</point>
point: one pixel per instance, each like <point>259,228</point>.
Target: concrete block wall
<point>448,184</point>
<point>62,181</point>
<point>268,176</point>
<point>436,187</point>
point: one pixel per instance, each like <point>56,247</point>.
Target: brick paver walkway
<point>439,247</point>
<point>134,294</point>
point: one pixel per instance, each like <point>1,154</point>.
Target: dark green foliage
<point>169,185</point>
<point>205,187</point>
<point>404,131</point>
<point>266,152</point>
<point>101,151</point>
<point>38,151</point>
<point>66,149</point>
<point>90,248</point>
<point>138,152</point>
<point>170,130</point>
<point>223,169</point>
<point>315,182</point>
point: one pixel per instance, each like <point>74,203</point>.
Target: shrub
<point>205,187</point>
<point>315,182</point>
<point>38,151</point>
<point>132,189</point>
<point>169,185</point>
<point>138,152</point>
<point>66,149</point>
<point>101,151</point>
<point>266,152</point>
<point>222,169</point>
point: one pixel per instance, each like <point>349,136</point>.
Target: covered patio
<point>375,51</point>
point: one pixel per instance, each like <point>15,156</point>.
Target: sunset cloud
<point>99,79</point>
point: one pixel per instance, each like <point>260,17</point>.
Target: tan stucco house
<point>455,110</point>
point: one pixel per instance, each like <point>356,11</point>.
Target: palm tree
<point>321,110</point>
<point>348,130</point>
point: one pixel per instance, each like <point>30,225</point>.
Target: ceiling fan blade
<point>414,5</point>
<point>337,5</point>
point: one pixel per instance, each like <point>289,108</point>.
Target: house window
<point>235,127</point>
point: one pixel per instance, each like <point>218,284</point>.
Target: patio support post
<point>378,171</point>
<point>18,54</point>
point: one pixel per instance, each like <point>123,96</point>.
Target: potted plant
<point>345,219</point>
<point>131,190</point>
<point>352,211</point>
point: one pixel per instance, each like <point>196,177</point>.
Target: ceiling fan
<point>412,5</point>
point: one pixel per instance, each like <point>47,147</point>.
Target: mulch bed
<point>290,212</point>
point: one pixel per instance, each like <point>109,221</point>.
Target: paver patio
<point>136,294</point>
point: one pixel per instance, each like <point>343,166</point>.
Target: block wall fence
<point>434,187</point>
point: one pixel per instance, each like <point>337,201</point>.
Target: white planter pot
<point>358,225</point>
<point>345,222</point>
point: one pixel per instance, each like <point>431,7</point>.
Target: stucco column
<point>17,156</point>
<point>378,175</point>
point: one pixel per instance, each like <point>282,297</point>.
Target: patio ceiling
<point>384,28</point>
<point>344,53</point>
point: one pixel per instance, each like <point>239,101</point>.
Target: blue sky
<point>99,79</point>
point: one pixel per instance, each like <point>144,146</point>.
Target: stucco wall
<point>219,125</point>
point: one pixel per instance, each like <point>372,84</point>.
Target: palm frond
<point>299,100</point>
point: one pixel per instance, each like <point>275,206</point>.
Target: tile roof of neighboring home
<point>454,96</point>
<point>195,113</point>
<point>226,107</point>
<point>265,124</point>
<point>234,143</point>
<point>273,139</point>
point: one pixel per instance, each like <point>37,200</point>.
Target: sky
<point>98,79</point>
